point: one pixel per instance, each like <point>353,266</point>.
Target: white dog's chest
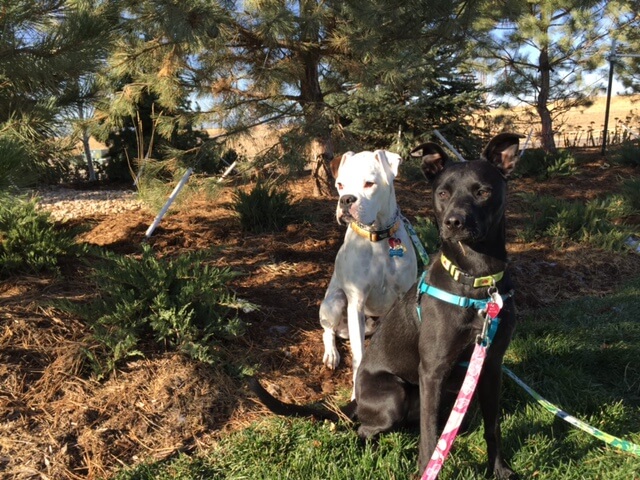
<point>371,272</point>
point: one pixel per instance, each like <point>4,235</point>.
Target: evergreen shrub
<point>264,208</point>
<point>148,304</point>
<point>30,242</point>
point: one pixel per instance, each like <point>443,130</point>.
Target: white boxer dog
<point>376,263</point>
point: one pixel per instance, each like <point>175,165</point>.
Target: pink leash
<point>457,413</point>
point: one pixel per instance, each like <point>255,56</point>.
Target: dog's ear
<point>433,158</point>
<point>334,165</point>
<point>390,161</point>
<point>502,151</point>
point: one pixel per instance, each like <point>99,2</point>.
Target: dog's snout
<point>454,221</point>
<point>347,200</point>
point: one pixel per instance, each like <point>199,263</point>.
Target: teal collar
<point>464,302</point>
<point>491,324</point>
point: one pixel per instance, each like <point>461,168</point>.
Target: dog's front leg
<point>332,311</point>
<point>331,356</point>
<point>430,388</point>
<point>489,390</point>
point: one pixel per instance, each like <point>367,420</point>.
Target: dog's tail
<point>279,407</point>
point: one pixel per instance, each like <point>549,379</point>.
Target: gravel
<point>66,203</point>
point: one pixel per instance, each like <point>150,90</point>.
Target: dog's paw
<point>331,358</point>
<point>502,471</point>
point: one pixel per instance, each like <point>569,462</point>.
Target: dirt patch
<point>58,423</point>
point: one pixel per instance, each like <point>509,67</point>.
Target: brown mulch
<point>58,422</point>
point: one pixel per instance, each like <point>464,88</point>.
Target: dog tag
<point>495,305</point>
<point>396,249</point>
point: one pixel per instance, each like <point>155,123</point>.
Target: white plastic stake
<point>227,171</point>
<point>449,146</point>
<point>168,203</point>
<point>526,143</point>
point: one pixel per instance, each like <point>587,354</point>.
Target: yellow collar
<point>375,235</point>
<point>466,279</point>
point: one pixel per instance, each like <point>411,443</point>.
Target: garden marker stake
<point>228,171</point>
<point>168,203</point>
<point>449,146</point>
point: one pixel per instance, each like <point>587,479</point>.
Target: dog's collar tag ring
<point>396,249</point>
<point>495,303</point>
<point>491,320</point>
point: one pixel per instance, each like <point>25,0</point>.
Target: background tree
<point>78,107</point>
<point>539,52</point>
<point>305,65</point>
<point>625,29</point>
<point>43,47</point>
<point>404,114</point>
<point>146,111</point>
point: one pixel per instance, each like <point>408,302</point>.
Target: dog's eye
<point>484,193</point>
<point>339,186</point>
<point>368,184</point>
<point>443,194</point>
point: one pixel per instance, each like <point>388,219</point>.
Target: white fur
<point>366,279</point>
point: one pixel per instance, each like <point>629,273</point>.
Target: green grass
<point>600,223</point>
<point>581,355</point>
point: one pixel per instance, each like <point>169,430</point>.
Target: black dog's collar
<point>466,279</point>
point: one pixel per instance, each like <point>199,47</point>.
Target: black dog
<point>410,371</point>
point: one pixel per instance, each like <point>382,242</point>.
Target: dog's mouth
<point>345,218</point>
<point>467,236</point>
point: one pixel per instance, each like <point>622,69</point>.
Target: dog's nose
<point>347,200</point>
<point>454,221</point>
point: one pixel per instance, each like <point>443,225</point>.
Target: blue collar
<point>491,324</point>
<point>464,302</point>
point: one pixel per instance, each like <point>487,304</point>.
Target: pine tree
<point>625,30</point>
<point>302,66</point>
<point>538,52</point>
<point>44,47</point>
<point>146,85</point>
<point>297,63</point>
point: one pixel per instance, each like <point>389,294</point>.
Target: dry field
<point>584,126</point>
<point>579,127</point>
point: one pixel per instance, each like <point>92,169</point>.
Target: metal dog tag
<point>495,305</point>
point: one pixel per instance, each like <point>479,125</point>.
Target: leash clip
<point>483,337</point>
<point>490,313</point>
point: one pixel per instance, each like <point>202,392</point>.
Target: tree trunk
<point>87,155</point>
<point>317,125</point>
<point>546,135</point>
<point>91,172</point>
<point>322,181</point>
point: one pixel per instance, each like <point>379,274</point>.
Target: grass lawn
<point>582,355</point>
